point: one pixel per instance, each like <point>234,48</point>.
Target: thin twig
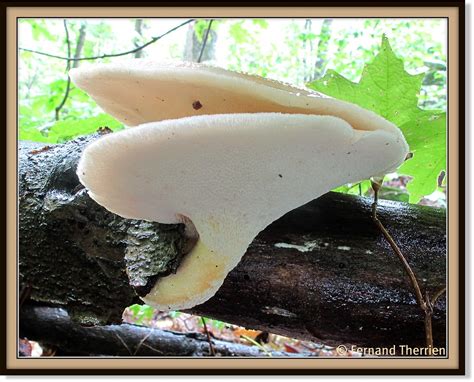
<point>25,294</point>
<point>396,249</point>
<point>424,302</point>
<point>152,348</point>
<point>205,40</point>
<point>68,66</point>
<point>123,343</point>
<point>153,40</point>
<point>211,347</point>
<point>437,295</point>
<point>142,341</point>
<point>253,342</point>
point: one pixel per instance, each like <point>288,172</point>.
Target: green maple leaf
<point>388,90</point>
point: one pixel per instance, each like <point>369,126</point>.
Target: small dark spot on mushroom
<point>348,152</point>
<point>197,105</point>
<point>386,144</point>
<point>281,176</point>
<point>83,173</point>
<point>217,266</point>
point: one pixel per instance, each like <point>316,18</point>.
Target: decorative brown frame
<point>453,365</point>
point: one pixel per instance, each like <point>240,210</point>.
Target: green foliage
<point>66,130</point>
<point>426,135</point>
<point>262,23</point>
<point>200,26</point>
<point>360,188</point>
<point>387,89</point>
<point>216,324</point>
<point>39,29</point>
<point>247,52</point>
<point>394,193</point>
<point>306,36</point>
<point>141,313</point>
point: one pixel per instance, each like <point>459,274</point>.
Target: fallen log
<point>322,272</point>
<point>53,327</point>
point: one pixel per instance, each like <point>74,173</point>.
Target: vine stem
<point>153,40</point>
<point>424,302</point>
<point>68,66</point>
<point>211,347</point>
<point>205,40</point>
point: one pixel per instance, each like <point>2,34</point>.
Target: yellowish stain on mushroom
<point>198,273</point>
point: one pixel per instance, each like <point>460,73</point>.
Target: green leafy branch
<point>387,89</point>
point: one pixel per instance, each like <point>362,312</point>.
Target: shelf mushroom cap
<point>140,91</point>
<point>231,175</point>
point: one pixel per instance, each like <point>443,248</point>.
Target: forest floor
<point>187,323</point>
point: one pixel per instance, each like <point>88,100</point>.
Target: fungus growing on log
<point>253,150</point>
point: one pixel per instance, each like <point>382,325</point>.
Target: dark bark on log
<point>321,272</point>
<point>52,326</point>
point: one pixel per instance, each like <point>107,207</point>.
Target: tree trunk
<point>193,46</point>
<point>322,272</point>
<point>323,47</point>
<point>136,40</point>
<point>81,39</point>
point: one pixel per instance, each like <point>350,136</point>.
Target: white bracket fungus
<point>224,153</point>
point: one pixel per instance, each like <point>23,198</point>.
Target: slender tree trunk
<point>136,42</point>
<point>323,47</point>
<point>194,44</point>
<point>81,39</point>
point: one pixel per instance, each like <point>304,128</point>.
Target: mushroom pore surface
<point>231,175</point>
